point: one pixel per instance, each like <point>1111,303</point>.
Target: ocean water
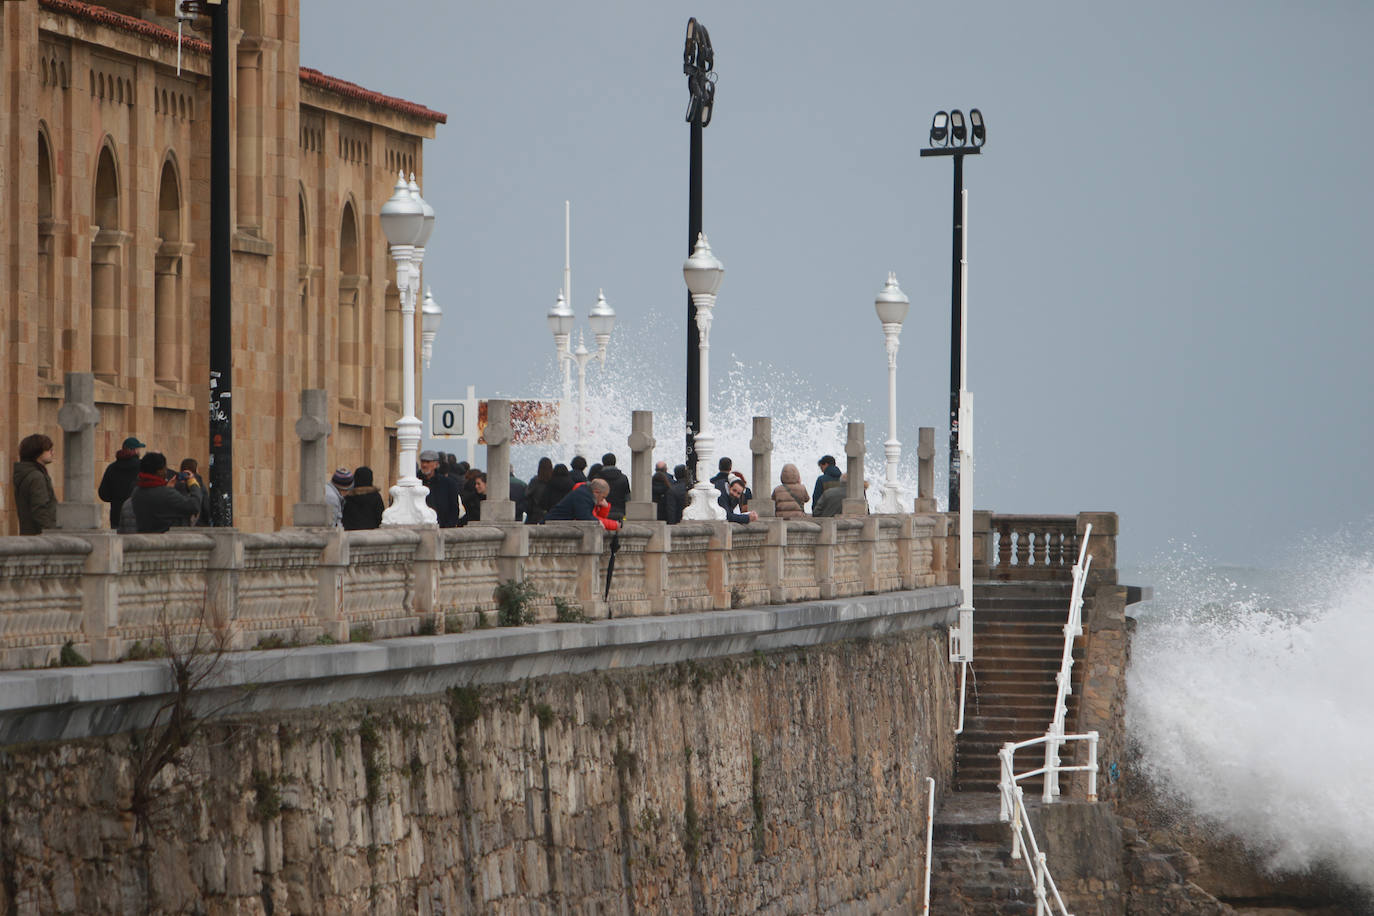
<point>1251,699</point>
<point>809,420</point>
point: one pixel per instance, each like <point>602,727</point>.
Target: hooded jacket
<point>831,473</point>
<point>117,484</point>
<point>34,500</point>
<point>620,489</point>
<point>790,497</point>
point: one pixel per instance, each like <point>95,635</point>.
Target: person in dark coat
<point>538,491</point>
<point>680,486</point>
<point>117,484</point>
<point>830,471</point>
<point>203,516</point>
<point>669,504</point>
<point>34,500</point>
<point>832,497</point>
<point>519,496</point>
<point>157,506</point>
<point>443,489</point>
<point>722,479</point>
<point>587,502</point>
<point>620,485</point>
<point>560,484</point>
<point>579,469</point>
<point>472,496</point>
<point>362,505</point>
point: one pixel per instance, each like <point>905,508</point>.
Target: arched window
<point>350,311</point>
<point>169,291</point>
<point>109,347</point>
<point>47,228</point>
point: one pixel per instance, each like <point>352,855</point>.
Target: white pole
<point>408,496</point>
<point>892,448</point>
<point>567,297</point>
<point>930,835</point>
<point>965,452</point>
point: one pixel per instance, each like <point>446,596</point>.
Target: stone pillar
<point>590,583</point>
<point>313,429</point>
<point>329,593</point>
<point>515,549</point>
<point>100,594</point>
<point>718,565</point>
<point>775,559</point>
<point>641,506</point>
<point>78,510</point>
<point>825,558</point>
<point>868,555</point>
<point>907,551</point>
<point>222,582</point>
<point>982,542</point>
<point>855,503</point>
<point>498,506</point>
<point>925,469</point>
<point>656,567</point>
<point>429,554</point>
<point>1102,546</point>
<point>762,447</point>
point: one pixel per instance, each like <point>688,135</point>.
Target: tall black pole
<point>956,325</point>
<point>221,318</point>
<point>693,336</point>
<point>697,61</point>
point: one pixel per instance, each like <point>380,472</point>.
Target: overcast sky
<point>1171,238</point>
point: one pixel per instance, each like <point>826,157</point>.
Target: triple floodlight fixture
<point>949,129</point>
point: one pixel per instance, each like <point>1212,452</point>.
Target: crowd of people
<point>145,495</point>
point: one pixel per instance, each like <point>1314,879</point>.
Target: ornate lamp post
<point>407,226</point>
<point>891,305</point>
<point>698,63</point>
<point>430,316</point>
<point>602,322</point>
<point>703,272</point>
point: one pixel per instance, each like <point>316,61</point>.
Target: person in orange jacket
<point>585,502</point>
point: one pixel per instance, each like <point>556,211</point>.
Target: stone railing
<point>105,592</point>
<point>1042,547</point>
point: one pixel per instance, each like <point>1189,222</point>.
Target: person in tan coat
<point>790,497</point>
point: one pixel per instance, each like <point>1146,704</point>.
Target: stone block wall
<point>789,781</point>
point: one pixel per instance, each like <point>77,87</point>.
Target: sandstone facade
<point>104,239</point>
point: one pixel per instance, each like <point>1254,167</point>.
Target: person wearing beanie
<point>334,491</point>
<point>156,504</point>
<point>117,484</point>
<point>362,505</point>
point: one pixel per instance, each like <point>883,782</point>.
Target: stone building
<point>105,226</point>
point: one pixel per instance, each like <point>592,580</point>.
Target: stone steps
<point>972,872</point>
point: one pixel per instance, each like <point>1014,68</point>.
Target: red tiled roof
<point>95,13</point>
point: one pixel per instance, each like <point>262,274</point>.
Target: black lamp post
<point>697,61</point>
<point>951,135</point>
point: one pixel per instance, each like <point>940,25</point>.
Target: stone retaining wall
<point>785,780</point>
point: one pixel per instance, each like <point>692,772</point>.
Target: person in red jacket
<point>585,502</point>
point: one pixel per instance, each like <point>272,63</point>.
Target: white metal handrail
<point>1073,628</point>
<point>1013,809</point>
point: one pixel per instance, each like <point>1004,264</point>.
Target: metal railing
<point>1073,628</point>
<point>1013,809</point>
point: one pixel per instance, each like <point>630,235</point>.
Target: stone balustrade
<point>104,592</point>
<point>1042,547</point>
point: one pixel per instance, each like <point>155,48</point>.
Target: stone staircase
<point>972,872</point>
<point>1018,642</point>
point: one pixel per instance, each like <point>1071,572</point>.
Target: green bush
<point>513,600</point>
<point>70,658</point>
<point>567,612</point>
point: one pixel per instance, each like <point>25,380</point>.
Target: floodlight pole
<point>956,361</point>
<point>697,62</point>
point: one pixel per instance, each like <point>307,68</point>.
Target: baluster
<point>1019,557</point>
<point>1004,555</point>
<point>1042,547</point>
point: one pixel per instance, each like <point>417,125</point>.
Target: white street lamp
<point>703,272</point>
<point>430,316</point>
<point>891,305</point>
<point>407,222</point>
<point>561,320</point>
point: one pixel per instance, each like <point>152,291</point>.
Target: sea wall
<point>779,765</point>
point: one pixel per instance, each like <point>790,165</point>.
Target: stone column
<point>718,565</point>
<point>1101,544</point>
<point>925,469</point>
<point>855,503</point>
<point>641,506</point>
<point>313,428</point>
<point>429,554</point>
<point>982,542</point>
<point>656,567</point>
<point>329,593</point>
<point>498,506</point>
<point>222,583</point>
<point>762,447</point>
<point>868,554</point>
<point>100,594</point>
<point>825,559</point>
<point>78,510</point>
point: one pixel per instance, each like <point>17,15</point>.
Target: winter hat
<point>343,478</point>
<point>428,454</point>
<point>362,477</point>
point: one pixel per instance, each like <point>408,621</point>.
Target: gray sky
<point>1169,247</point>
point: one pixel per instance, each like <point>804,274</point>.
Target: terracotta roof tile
<point>93,12</point>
